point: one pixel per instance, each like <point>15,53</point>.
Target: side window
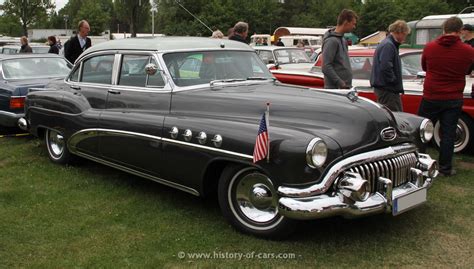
<point>98,69</point>
<point>75,75</point>
<point>132,72</point>
<point>266,56</point>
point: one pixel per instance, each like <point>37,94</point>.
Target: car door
<point>132,122</point>
<point>89,84</point>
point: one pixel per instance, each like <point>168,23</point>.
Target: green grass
<point>89,215</point>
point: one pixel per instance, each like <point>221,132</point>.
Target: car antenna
<point>177,2</point>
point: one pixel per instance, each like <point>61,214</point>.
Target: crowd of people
<point>446,61</point>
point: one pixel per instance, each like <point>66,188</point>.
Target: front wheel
<point>249,201</point>
<point>56,145</point>
<point>464,132</point>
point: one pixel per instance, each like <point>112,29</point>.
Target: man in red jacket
<point>447,61</point>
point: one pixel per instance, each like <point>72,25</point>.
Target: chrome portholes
<point>202,138</point>
<point>217,140</point>
<point>174,132</point>
<point>187,135</point>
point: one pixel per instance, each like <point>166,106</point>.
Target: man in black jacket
<point>241,30</point>
<point>78,43</point>
<point>386,76</point>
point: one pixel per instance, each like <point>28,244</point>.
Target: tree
<point>134,12</point>
<point>93,12</point>
<point>27,11</point>
<point>377,15</point>
<point>10,25</point>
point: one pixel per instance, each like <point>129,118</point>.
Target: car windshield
<point>28,68</point>
<point>202,67</point>
<point>287,56</point>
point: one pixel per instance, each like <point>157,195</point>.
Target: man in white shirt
<point>78,43</point>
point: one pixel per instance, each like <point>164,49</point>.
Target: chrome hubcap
<point>56,143</point>
<point>255,198</point>
<point>460,135</point>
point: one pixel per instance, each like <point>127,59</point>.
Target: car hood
<point>352,124</point>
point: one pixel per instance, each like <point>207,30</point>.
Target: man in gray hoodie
<point>336,65</point>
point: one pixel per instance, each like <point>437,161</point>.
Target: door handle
<point>114,91</point>
<point>75,87</point>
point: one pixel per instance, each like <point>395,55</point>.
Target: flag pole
<point>268,131</point>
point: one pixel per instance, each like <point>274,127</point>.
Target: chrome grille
<point>397,169</point>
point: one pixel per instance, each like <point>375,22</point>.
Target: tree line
<point>263,16</point>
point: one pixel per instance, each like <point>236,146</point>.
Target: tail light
<point>17,102</point>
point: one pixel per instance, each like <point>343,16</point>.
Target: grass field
<point>89,215</point>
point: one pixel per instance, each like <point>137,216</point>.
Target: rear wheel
<point>249,201</point>
<point>56,145</point>
<point>464,132</point>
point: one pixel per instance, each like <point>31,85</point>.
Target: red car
<point>361,63</point>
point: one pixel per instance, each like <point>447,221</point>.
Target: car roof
<point>274,48</point>
<point>370,52</point>
<point>168,43</point>
<point>28,55</point>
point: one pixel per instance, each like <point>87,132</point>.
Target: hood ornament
<point>352,94</point>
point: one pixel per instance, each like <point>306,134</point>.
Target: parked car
<point>361,63</point>
<point>284,58</point>
<point>185,112</point>
<point>15,49</point>
<point>19,72</point>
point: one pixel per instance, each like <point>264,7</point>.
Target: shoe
<point>448,173</point>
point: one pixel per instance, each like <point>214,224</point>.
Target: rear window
<point>30,68</point>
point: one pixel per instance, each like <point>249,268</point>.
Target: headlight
<point>426,130</point>
<point>316,153</point>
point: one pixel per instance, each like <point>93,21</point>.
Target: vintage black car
<point>20,72</point>
<point>185,112</point>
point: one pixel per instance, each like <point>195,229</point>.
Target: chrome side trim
<point>336,169</point>
<point>86,133</point>
<point>138,173</point>
<point>10,114</point>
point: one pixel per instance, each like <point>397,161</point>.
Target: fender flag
<point>262,145</point>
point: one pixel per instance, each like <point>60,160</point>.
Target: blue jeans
<point>448,113</point>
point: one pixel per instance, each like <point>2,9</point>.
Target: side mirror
<point>421,74</point>
<point>151,69</point>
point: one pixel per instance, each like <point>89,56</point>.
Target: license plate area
<point>408,201</point>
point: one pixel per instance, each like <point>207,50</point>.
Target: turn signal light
<point>17,102</point>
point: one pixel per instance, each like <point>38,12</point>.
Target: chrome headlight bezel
<point>316,153</point>
<point>426,130</point>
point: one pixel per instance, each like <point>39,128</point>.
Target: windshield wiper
<point>259,78</point>
<point>212,82</point>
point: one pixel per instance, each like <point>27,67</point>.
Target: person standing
<point>25,48</point>
<point>241,30</point>
<point>53,45</point>
<point>336,65</point>
<point>78,43</point>
<point>446,61</point>
<point>279,43</point>
<point>386,76</point>
<point>467,34</point>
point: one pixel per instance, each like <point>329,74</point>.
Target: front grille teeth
<point>396,169</point>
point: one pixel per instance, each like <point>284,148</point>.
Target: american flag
<point>261,144</point>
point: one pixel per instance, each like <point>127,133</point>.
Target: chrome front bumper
<point>349,199</point>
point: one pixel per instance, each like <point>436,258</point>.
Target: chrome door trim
<point>80,135</point>
<point>138,173</point>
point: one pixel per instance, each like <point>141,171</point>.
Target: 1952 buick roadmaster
<point>185,112</point>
